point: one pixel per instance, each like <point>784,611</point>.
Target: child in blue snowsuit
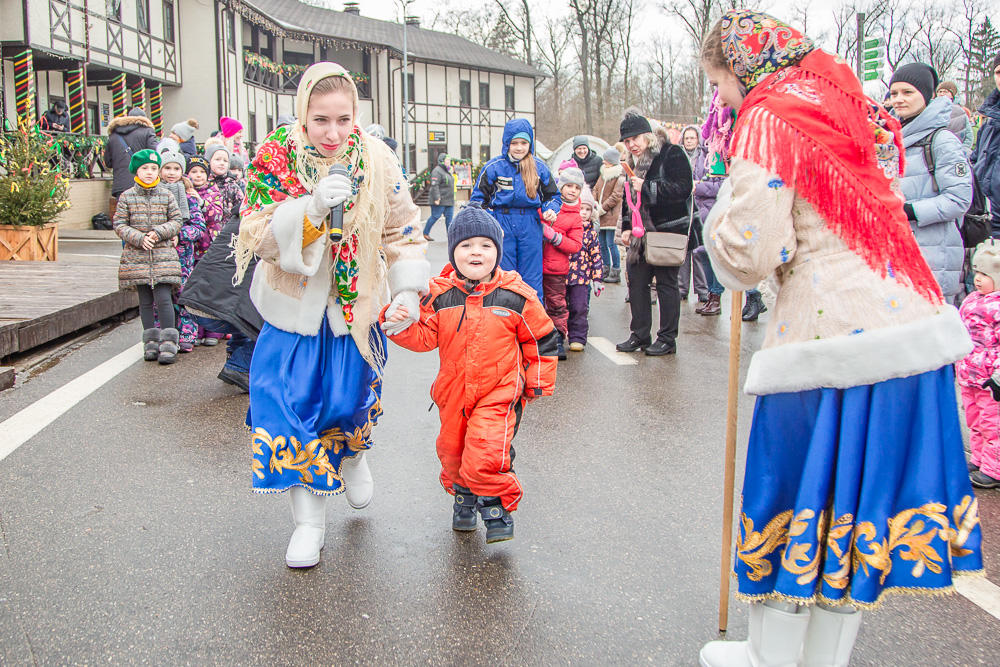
<point>514,186</point>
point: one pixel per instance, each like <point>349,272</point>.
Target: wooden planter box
<point>30,243</point>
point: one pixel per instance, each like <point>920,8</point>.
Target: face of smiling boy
<point>476,258</point>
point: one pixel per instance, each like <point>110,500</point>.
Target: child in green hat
<point>148,220</point>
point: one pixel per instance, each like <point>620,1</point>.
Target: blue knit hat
<point>473,221</point>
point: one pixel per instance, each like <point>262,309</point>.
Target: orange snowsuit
<point>498,351</point>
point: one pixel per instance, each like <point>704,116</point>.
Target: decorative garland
<point>288,69</point>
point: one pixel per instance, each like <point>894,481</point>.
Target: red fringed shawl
<point>813,126</point>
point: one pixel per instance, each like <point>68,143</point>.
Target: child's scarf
<point>806,118</point>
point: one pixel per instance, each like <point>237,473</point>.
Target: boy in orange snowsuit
<point>498,352</point>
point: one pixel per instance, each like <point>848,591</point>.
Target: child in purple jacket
<point>586,269</point>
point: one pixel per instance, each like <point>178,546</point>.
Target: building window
<point>465,93</point>
<point>114,10</point>
<point>484,153</point>
<point>168,21</point>
<point>484,95</point>
<point>411,85</point>
<point>365,87</point>
<point>231,31</point>
<point>270,124</point>
<point>93,119</point>
<point>142,14</point>
<point>253,129</point>
<point>466,152</point>
<point>508,98</point>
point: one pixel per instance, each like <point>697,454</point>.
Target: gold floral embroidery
<point>910,538</point>
<point>756,547</point>
<point>841,529</point>
<point>293,455</point>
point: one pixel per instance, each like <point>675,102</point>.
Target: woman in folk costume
<point>315,377</point>
<point>856,483</point>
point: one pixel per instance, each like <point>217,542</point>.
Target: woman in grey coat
<point>935,205</point>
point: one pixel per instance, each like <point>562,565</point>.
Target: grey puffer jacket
<point>442,186</point>
<point>938,213</point>
<point>961,127</point>
<point>127,135</point>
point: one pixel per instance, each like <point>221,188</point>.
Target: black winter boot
<point>754,307</point>
<point>560,349</point>
<point>499,522</point>
<point>465,518</point>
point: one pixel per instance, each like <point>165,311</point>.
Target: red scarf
<point>813,125</point>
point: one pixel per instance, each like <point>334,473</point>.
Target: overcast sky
<point>652,20</point>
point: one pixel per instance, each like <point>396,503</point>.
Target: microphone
<point>337,212</point>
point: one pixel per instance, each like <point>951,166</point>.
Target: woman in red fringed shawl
<point>316,372</point>
<point>856,483</point>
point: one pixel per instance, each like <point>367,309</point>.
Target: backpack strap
<point>927,144</point>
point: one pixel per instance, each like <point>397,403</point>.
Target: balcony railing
<point>263,73</point>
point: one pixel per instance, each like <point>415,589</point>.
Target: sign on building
<point>435,137</point>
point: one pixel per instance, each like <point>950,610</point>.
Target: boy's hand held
<point>407,303</point>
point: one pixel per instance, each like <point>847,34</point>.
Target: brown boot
<point>712,307</point>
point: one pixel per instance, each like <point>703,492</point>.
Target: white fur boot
<point>309,514</point>
<point>358,485</point>
<point>776,635</point>
<point>831,635</point>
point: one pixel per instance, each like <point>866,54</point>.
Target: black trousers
<point>640,277</point>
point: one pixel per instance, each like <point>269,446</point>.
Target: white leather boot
<point>831,635</point>
<point>358,485</point>
<point>309,514</point>
<point>776,635</point>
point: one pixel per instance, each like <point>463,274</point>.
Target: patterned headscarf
<point>757,45</point>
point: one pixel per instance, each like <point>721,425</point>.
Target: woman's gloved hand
<point>329,192</point>
<point>407,303</point>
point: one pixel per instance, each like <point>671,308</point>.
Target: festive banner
<point>77,117</point>
<point>118,96</point>
<point>156,106</point>
<point>24,87</point>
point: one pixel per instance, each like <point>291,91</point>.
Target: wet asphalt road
<point>130,535</point>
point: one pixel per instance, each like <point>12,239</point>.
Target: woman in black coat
<point>663,177</point>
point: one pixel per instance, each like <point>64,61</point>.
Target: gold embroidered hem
<point>785,555</point>
<point>848,600</point>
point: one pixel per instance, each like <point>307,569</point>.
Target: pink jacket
<point>981,316</point>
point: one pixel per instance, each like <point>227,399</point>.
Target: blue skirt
<point>853,493</point>
<point>313,402</point>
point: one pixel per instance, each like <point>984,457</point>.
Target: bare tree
<point>964,29</point>
<point>520,24</point>
<point>697,16</point>
<point>581,12</point>
<point>900,28</point>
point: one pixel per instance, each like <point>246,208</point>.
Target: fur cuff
<point>287,229</point>
<point>409,274</point>
<point>861,359</point>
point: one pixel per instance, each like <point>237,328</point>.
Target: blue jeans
<point>239,347</point>
<point>437,212</point>
<point>609,251</point>
<point>714,286</point>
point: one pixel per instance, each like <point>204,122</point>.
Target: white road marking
<point>27,423</point>
<point>982,592</point>
<point>607,348</point>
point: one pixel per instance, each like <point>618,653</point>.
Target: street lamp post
<point>406,92</point>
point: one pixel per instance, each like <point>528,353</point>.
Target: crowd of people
<point>311,271</point>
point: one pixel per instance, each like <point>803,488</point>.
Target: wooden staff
<point>735,329</point>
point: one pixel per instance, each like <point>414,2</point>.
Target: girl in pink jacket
<point>979,372</point>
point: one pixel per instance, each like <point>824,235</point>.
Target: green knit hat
<point>147,156</point>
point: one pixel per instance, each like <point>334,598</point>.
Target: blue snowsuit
<point>501,190</point>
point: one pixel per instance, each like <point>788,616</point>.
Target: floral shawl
<point>807,119</point>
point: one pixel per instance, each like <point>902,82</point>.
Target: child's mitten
<point>598,287</point>
<point>993,386</point>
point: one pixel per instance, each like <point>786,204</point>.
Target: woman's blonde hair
<point>712,52</point>
<point>335,84</point>
<point>652,146</point>
<point>529,174</point>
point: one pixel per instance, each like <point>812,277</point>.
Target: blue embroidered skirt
<point>313,401</point>
<point>851,493</point>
